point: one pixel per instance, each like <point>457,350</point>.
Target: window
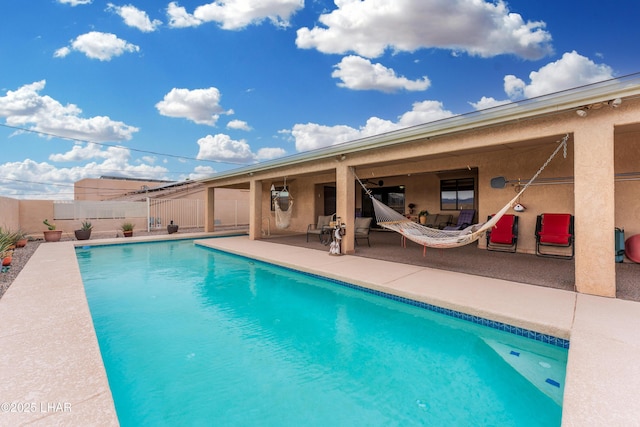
<point>457,194</point>
<point>281,197</point>
<point>390,196</point>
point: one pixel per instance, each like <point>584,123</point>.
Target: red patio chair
<point>503,237</point>
<point>554,229</point>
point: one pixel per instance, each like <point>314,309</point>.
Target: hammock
<point>390,219</point>
<point>283,218</point>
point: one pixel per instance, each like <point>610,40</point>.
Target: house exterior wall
<point>107,189</point>
<point>516,152</point>
<point>602,148</point>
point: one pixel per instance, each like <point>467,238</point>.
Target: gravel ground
<point>19,260</point>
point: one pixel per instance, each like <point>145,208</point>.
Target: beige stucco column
<point>594,208</point>
<point>255,209</point>
<point>346,205</point>
<point>209,211</point>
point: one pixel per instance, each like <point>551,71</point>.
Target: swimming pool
<point>194,336</point>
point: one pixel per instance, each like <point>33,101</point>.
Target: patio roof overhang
<point>597,94</point>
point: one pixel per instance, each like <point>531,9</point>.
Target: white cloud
<point>75,2</point>
<point>97,45</point>
<point>570,71</point>
<point>180,18</point>
<point>62,52</point>
<point>239,125</point>
<point>201,106</point>
<point>358,73</point>
<point>480,28</point>
<point>269,153</point>
<point>424,112</point>
<point>32,180</point>
<point>514,87</point>
<point>201,172</point>
<point>235,14</point>
<point>148,159</point>
<point>25,106</point>
<point>488,102</point>
<point>135,17</point>
<point>81,152</point>
<point>221,147</point>
<point>312,136</point>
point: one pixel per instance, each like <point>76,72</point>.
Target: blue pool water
<point>192,336</point>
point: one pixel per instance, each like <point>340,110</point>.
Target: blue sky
<point>182,90</point>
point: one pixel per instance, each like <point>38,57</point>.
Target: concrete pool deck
<point>52,371</point>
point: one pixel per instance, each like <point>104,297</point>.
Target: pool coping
<point>51,364</point>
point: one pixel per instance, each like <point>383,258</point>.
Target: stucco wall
<point>9,213</point>
<point>33,212</point>
<point>627,189</point>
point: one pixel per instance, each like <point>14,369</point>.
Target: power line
<point>36,182</point>
<point>137,150</point>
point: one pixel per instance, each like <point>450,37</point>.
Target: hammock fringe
<point>283,218</point>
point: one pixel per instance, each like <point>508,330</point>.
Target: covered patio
<point>452,164</point>
<point>470,259</point>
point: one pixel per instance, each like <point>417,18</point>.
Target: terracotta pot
<point>6,261</point>
<point>22,243</point>
<point>52,235</point>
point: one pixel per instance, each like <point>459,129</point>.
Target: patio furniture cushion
<point>555,229</point>
<point>465,219</point>
<point>503,236</point>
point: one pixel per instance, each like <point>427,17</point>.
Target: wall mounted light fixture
<point>613,103</point>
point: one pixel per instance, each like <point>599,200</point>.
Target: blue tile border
<point>516,330</point>
<point>522,332</point>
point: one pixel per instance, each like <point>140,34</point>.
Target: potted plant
<point>422,216</point>
<point>85,231</point>
<point>20,238</point>
<point>172,228</point>
<point>51,234</point>
<point>411,207</point>
<point>127,229</point>
<point>6,257</point>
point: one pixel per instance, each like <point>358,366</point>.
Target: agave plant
<point>6,242</point>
